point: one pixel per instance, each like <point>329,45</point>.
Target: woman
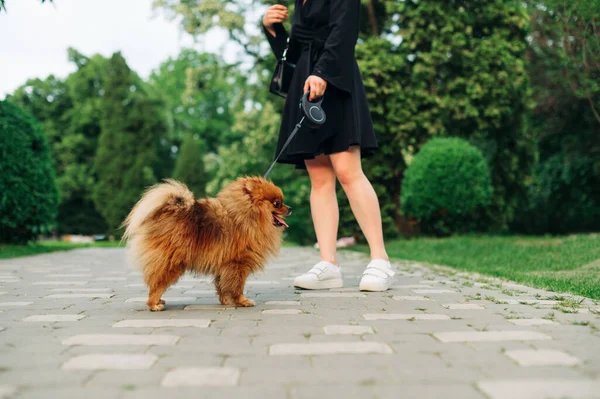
<point>321,44</point>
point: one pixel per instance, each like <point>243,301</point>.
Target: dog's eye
<point>277,204</point>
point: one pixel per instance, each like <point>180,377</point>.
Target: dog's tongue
<point>280,220</point>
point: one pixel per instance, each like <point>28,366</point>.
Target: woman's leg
<point>362,197</point>
<point>323,205</point>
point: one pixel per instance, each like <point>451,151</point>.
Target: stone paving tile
<point>81,290</point>
<point>111,361</point>
<point>435,291</point>
<point>283,303</point>
<point>70,393</point>
<point>155,323</point>
<point>332,295</point>
<point>531,322</point>
<point>126,380</point>
<point>333,391</point>
<point>60,283</point>
<point>6,391</point>
<point>209,307</point>
<point>479,333</point>
<point>13,304</point>
<point>44,377</point>
<point>200,292</point>
<point>54,318</point>
<point>282,311</point>
<point>540,388</point>
<point>266,391</point>
<point>348,330</point>
<point>396,316</point>
<point>80,295</point>
<point>329,348</point>
<point>463,306</point>
<point>428,391</point>
<point>410,298</point>
<point>121,339</point>
<point>167,299</point>
<point>490,336</point>
<point>542,357</point>
<point>201,377</point>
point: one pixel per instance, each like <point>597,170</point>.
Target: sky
<point>34,37</point>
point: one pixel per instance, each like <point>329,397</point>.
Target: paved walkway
<point>75,325</point>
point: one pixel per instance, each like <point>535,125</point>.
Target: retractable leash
<point>313,114</point>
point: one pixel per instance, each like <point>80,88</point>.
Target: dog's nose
<point>289,211</point>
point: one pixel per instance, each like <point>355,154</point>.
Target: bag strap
<point>287,46</point>
<point>287,142</point>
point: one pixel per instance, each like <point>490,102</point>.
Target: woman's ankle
<point>380,255</point>
<point>329,259</point>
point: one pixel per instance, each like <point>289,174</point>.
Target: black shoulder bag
<point>282,77</point>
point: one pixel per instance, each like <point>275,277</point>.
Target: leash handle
<point>287,142</point>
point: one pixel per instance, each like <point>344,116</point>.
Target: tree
<point>132,123</point>
<point>564,66</point>
<point>202,94</point>
<point>189,167</point>
<point>458,71</point>
<point>70,112</point>
<point>29,196</point>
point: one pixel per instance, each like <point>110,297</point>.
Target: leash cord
<point>298,125</point>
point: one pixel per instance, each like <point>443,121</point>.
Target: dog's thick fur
<point>229,237</point>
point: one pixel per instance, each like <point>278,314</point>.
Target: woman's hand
<point>275,14</point>
<point>316,85</point>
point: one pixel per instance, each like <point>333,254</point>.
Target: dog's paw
<point>162,302</point>
<point>226,300</point>
<point>245,302</point>
<point>157,308</point>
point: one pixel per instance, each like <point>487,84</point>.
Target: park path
<point>74,325</point>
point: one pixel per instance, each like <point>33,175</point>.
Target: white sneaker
<point>378,276</point>
<point>323,275</point>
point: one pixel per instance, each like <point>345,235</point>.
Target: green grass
<point>13,251</point>
<point>562,264</point>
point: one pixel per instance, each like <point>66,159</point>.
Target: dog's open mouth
<point>278,221</point>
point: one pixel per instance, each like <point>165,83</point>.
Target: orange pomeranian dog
<point>229,237</point>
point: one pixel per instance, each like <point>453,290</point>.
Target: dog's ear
<point>249,187</point>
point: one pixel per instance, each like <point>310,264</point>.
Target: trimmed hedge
<point>446,184</point>
<point>28,192</point>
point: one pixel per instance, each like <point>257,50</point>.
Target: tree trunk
<point>372,18</point>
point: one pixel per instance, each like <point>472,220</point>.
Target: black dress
<point>322,41</point>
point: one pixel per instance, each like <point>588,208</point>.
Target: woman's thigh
<point>320,170</point>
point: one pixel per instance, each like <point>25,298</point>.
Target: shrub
<point>28,192</point>
<point>446,184</point>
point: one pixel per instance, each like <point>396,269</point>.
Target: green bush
<point>28,193</point>
<point>446,184</point>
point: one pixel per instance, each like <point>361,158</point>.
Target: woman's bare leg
<point>324,205</point>
<point>362,197</point>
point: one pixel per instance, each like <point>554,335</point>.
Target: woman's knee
<point>347,166</point>
<point>348,177</point>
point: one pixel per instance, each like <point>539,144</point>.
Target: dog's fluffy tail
<point>169,192</point>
